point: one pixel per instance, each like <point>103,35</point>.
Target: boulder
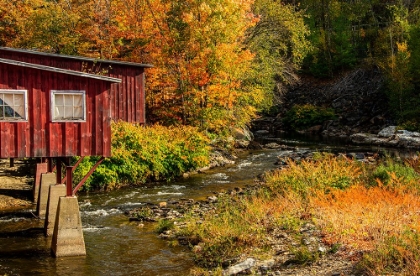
<point>241,267</point>
<point>242,134</point>
<point>388,132</point>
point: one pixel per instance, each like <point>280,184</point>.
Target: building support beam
<point>55,192</point>
<point>67,237</point>
<point>67,232</point>
<point>47,179</point>
<point>40,169</point>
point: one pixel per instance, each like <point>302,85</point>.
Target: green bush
<point>141,154</point>
<point>324,173</point>
<point>384,171</point>
<point>303,116</point>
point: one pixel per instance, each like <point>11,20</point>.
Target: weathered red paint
<point>39,137</point>
<point>127,98</point>
<point>105,101</point>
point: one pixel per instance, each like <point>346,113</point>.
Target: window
<point>13,105</point>
<point>68,105</point>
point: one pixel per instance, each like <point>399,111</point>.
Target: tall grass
<point>354,204</point>
<point>325,173</point>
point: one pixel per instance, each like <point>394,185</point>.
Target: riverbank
<point>15,185</point>
<point>309,217</point>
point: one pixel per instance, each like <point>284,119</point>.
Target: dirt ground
<point>16,184</point>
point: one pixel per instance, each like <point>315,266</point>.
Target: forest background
<point>219,63</point>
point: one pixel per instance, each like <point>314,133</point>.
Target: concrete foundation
<point>40,169</point>
<point>67,237</point>
<point>47,179</point>
<point>56,191</point>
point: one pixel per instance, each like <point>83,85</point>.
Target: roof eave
<point>59,70</point>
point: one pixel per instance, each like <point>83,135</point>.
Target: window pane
<point>68,112</point>
<point>69,105</point>
<point>68,100</point>
<point>78,112</point>
<point>8,99</point>
<point>9,113</point>
<point>19,111</point>
<point>18,100</point>
<point>78,100</point>
<point>13,104</point>
<point>59,101</point>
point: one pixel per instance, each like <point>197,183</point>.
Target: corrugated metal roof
<point>58,70</point>
<point>78,57</point>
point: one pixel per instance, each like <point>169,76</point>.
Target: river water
<point>115,246</point>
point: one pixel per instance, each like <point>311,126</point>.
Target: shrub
<point>164,225</point>
<point>391,173</point>
<point>141,154</point>
<point>323,174</point>
<point>304,116</point>
<point>397,254</point>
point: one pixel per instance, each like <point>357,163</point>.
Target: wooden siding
<point>127,98</point>
<point>39,137</point>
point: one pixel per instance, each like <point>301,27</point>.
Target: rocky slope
<point>356,96</point>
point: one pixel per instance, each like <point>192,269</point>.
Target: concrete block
<point>56,191</point>
<point>67,237</point>
<point>47,179</point>
<point>40,169</point>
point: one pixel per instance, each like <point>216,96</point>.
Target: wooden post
<point>69,181</point>
<point>12,162</point>
<point>59,171</point>
<point>49,164</point>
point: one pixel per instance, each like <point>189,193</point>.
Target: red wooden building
<point>56,106</point>
<point>59,106</point>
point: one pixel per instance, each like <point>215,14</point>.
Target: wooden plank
<point>56,130</point>
<point>98,122</point>
<point>130,96</point>
<point>120,98</point>
<point>90,127</point>
<point>138,101</point>
<point>106,121</point>
<point>5,138</point>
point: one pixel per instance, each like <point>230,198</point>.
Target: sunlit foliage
<point>143,154</point>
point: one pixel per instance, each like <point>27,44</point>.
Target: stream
<point>115,246</point>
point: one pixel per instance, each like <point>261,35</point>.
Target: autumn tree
<point>280,43</point>
<point>200,62</point>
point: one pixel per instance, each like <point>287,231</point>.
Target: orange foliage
<point>362,217</point>
<point>195,46</point>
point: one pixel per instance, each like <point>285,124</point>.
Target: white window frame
<point>24,116</point>
<point>68,92</point>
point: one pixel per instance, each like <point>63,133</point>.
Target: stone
<point>272,146</point>
<point>238,268</point>
<point>314,129</point>
<point>254,146</point>
<point>47,179</point>
<point>242,144</point>
<point>262,132</point>
<point>68,238</point>
<point>55,192</point>
<point>243,134</point>
<point>322,250</point>
<point>40,169</point>
<point>408,141</point>
<point>388,132</point>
